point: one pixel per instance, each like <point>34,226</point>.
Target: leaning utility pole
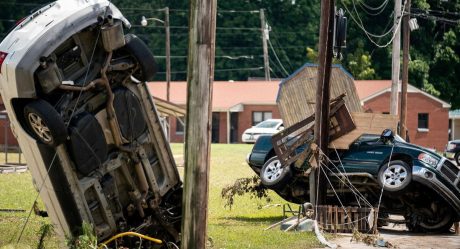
<point>264,30</point>
<point>200,77</point>
<point>396,60</point>
<point>323,94</point>
<point>405,70</point>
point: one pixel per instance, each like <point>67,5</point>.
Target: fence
<point>10,152</point>
<point>335,219</point>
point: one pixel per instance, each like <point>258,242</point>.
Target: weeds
<point>87,239</point>
<point>249,185</point>
<point>46,230</point>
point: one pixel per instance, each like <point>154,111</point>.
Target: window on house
<point>423,121</point>
<point>179,126</point>
<point>258,117</point>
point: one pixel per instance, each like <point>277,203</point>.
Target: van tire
<point>44,123</point>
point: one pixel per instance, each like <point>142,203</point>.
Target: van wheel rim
<point>273,171</point>
<point>39,127</point>
<point>394,176</point>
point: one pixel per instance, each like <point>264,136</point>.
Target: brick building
<point>236,106</point>
<point>6,135</point>
<point>427,116</point>
<point>454,124</point>
<point>239,105</point>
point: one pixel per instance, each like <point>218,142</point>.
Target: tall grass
<point>239,227</point>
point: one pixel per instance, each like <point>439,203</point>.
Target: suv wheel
<point>428,220</point>
<point>273,175</point>
<point>395,176</point>
<point>44,123</point>
<point>457,158</point>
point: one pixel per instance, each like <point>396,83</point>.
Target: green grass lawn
<point>239,227</point>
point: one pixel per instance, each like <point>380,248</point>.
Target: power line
<point>259,47</point>
<point>185,27</point>
<point>271,69</point>
<point>275,35</point>
<point>437,11</point>
<point>365,8</point>
<point>378,8</point>
<point>368,34</point>
<point>276,57</point>
<point>239,11</point>
<point>436,18</point>
<point>230,57</point>
<point>222,70</point>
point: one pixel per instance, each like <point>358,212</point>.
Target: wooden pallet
<point>335,219</point>
<point>288,143</point>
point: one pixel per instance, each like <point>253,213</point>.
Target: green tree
<point>360,64</point>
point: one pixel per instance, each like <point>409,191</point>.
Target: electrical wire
<point>275,36</point>
<point>437,11</point>
<point>367,32</point>
<point>395,27</point>
<point>370,13</point>
<point>335,192</point>
<point>381,6</point>
<point>436,18</point>
<point>277,59</point>
<point>350,185</point>
<point>383,182</point>
<point>271,69</point>
<point>222,70</point>
<point>142,236</point>
<point>353,189</point>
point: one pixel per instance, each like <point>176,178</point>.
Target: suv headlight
<point>428,159</point>
<point>451,146</point>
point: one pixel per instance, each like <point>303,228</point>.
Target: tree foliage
<point>293,39</point>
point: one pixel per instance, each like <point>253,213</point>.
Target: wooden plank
<point>297,95</point>
<point>336,222</point>
<point>366,123</point>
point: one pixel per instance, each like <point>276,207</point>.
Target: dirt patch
<point>399,237</point>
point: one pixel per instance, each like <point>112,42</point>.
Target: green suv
<point>417,183</point>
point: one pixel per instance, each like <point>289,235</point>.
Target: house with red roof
<point>427,116</point>
<point>236,106</point>
<point>241,104</point>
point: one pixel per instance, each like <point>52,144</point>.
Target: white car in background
<point>269,126</point>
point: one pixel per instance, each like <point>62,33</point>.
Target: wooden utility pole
<point>396,60</point>
<point>168,54</point>
<point>264,30</point>
<point>405,70</point>
<point>200,77</point>
<point>323,92</point>
<point>168,67</point>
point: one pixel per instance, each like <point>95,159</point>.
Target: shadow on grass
<point>271,219</point>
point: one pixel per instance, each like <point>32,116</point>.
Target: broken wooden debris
<point>335,219</point>
<point>293,144</point>
<point>366,123</point>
